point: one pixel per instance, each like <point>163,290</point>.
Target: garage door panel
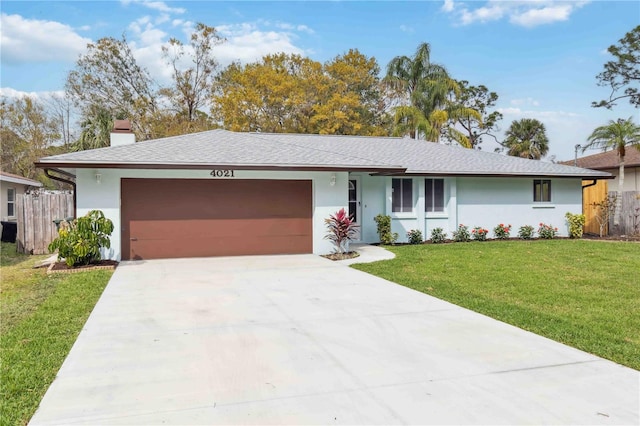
<point>194,217</point>
<point>225,246</point>
<point>237,228</point>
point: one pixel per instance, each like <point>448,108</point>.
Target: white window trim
<point>445,189</point>
<point>13,202</point>
<point>403,215</point>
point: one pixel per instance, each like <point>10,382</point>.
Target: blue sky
<point>541,56</point>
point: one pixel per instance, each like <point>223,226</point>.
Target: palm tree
<point>96,129</point>
<point>526,138</point>
<point>426,87</point>
<point>616,135</point>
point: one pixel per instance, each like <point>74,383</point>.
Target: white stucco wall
<point>473,201</point>
<point>488,202</point>
<point>105,195</point>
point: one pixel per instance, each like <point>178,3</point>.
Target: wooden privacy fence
<point>590,196</point>
<point>35,214</point>
<point>629,214</point>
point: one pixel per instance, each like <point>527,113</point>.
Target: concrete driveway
<point>303,340</point>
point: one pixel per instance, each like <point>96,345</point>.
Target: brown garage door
<point>164,218</point>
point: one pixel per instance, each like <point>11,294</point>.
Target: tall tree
<point>192,84</point>
<point>617,135</point>
<point>356,85</point>
<point>108,76</point>
<point>294,94</point>
<point>269,96</point>
<point>623,73</point>
<point>526,138</point>
<point>62,112</point>
<point>28,133</point>
<point>424,89</point>
<point>480,99</point>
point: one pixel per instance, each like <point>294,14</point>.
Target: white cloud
<point>33,40</point>
<point>448,6</point>
<point>525,101</point>
<point>545,15</point>
<point>155,5</point>
<point>406,29</point>
<point>247,42</point>
<point>525,13</point>
<point>9,92</point>
<point>517,112</point>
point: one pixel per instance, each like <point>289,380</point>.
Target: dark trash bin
<point>9,232</point>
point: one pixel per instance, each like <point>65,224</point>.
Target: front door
<point>355,209</point>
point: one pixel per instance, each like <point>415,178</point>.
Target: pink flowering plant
<point>502,231</point>
<point>479,233</point>
<point>547,232</point>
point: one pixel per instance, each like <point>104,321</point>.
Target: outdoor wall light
<point>332,181</point>
<point>98,178</point>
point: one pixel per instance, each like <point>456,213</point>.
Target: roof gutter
<point>251,167</point>
<point>63,180</point>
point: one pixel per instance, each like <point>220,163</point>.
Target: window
<point>401,195</point>
<point>11,202</point>
<point>541,190</point>
<point>433,195</point>
<point>353,199</point>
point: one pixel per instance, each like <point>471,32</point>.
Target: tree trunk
<point>618,213</point>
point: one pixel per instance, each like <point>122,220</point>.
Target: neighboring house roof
<point>266,151</point>
<point>10,177</point>
<point>608,160</point>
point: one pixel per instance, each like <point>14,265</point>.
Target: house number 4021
<point>221,173</point>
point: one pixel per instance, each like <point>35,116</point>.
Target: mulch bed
<point>341,256</point>
<point>61,267</point>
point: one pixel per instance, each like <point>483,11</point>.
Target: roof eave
<point>26,182</point>
<point>480,174</point>
<point>208,166</point>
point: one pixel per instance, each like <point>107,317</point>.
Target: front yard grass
<point>40,318</point>
<point>585,294</point>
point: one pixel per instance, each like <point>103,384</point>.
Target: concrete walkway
<point>303,340</point>
<point>368,254</point>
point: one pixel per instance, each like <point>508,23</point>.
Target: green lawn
<point>582,293</point>
<point>40,318</point>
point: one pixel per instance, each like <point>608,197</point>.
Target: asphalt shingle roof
<point>608,160</point>
<point>223,148</point>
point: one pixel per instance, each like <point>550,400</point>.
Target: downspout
<point>595,181</point>
<point>67,181</point>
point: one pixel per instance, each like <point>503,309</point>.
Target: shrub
<point>80,240</point>
<point>341,230</point>
<point>576,224</point>
<point>415,236</point>
<point>479,233</point>
<point>461,235</point>
<point>525,232</point>
<point>384,229</point>
<point>547,232</point>
<point>502,232</point>
<point>438,236</point>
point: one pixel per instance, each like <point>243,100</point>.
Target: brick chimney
<point>122,133</point>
